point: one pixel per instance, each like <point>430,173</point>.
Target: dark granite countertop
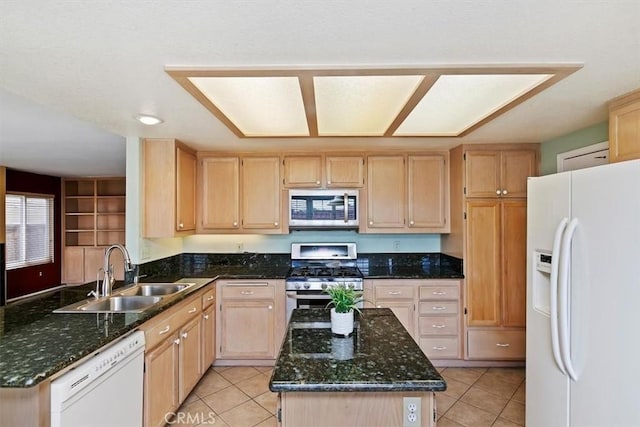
<point>380,356</point>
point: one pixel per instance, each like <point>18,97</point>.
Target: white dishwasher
<point>105,390</point>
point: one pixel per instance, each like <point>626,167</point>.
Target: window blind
<point>29,227</point>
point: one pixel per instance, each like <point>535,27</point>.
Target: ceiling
<point>74,74</point>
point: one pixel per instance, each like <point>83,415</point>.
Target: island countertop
<point>379,356</point>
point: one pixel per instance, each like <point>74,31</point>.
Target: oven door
<point>306,299</point>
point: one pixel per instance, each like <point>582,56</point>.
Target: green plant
<point>343,298</point>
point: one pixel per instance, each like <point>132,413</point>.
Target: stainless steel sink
<point>156,289</point>
<point>121,304</point>
<point>134,299</point>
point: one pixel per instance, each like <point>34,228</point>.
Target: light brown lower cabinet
<point>173,359</point>
<point>346,409</point>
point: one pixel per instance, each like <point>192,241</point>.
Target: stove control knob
<point>307,285</point>
<point>323,286</point>
<point>350,285</point>
<point>297,285</point>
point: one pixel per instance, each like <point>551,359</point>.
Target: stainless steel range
<point>317,266</point>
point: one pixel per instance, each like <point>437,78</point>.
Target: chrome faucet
<point>109,279</point>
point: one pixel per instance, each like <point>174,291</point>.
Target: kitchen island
<point>360,380</point>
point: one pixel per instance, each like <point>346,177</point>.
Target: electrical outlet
<point>239,247</point>
<point>396,245</point>
<point>411,411</point>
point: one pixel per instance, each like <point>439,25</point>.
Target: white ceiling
<point>102,62</point>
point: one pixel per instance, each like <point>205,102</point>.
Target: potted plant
<point>344,301</point>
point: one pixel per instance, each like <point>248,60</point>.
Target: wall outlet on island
<point>411,411</point>
<point>396,245</point>
<point>239,247</point>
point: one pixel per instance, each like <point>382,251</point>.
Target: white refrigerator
<point>583,298</point>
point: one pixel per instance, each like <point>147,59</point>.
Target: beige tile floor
<point>240,397</point>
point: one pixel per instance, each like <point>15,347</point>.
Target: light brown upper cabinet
<point>407,194</point>
<point>169,176</point>
<point>624,127</point>
<point>498,173</point>
<point>239,194</point>
<point>323,171</point>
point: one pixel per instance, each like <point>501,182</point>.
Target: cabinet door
<point>386,192</point>
<point>482,174</point>
<point>404,311</point>
<point>220,192</point>
<point>185,190</point>
<point>261,193</point>
<point>483,264</point>
<point>514,263</point>
<point>208,337</point>
<point>517,166</point>
<point>94,260</point>
<point>624,132</point>
<point>427,191</point>
<point>247,329</point>
<point>345,171</point>
<point>190,356</point>
<point>161,382</point>
<point>303,171</point>
<point>73,267</point>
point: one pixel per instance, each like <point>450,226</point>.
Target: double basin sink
<point>134,299</point>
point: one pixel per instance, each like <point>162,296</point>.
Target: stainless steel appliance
<point>323,208</point>
<point>317,266</point>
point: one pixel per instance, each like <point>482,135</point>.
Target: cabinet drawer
<point>439,307</point>
<point>439,293</point>
<point>496,344</point>
<point>248,292</point>
<point>187,311</point>
<point>394,292</point>
<point>440,348</point>
<point>209,297</point>
<point>170,321</point>
<point>438,325</point>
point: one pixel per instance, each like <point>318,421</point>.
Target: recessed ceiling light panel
<point>148,119</point>
<point>457,102</point>
<point>360,105</point>
<point>258,106</point>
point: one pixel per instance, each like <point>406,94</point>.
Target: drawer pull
<point>177,341</point>
<point>503,345</point>
<point>246,292</point>
<point>439,348</point>
<point>193,310</point>
<point>185,335</point>
<point>394,292</point>
<point>438,326</point>
<point>270,307</point>
<point>206,317</point>
<point>210,298</point>
<point>438,308</point>
<point>378,306</point>
<point>165,330</point>
<point>439,293</point>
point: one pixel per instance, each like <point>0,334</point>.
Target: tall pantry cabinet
<point>488,230</point>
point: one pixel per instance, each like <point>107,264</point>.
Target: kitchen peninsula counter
<point>330,379</point>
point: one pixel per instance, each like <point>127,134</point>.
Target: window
<point>29,220</point>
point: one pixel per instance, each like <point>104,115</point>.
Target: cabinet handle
<point>206,317</point>
<point>210,298</point>
<point>394,292</point>
<point>246,292</point>
<point>193,310</point>
<point>235,223</point>
<point>498,192</point>
<point>370,222</point>
<point>378,306</point>
<point>165,330</point>
<point>411,222</point>
<point>181,225</point>
<point>502,345</point>
<point>177,341</point>
<point>438,326</point>
<point>504,192</point>
<point>328,182</point>
<point>275,224</point>
<point>439,348</point>
<point>438,293</point>
<point>318,182</point>
<point>270,307</point>
<point>185,335</point>
<point>438,308</point>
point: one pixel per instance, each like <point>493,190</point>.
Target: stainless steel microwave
<point>331,208</point>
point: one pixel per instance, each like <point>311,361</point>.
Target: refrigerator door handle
<point>563,302</point>
<point>553,294</point>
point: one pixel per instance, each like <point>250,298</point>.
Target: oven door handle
<point>295,295</point>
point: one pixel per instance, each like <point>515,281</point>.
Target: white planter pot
<point>341,323</point>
